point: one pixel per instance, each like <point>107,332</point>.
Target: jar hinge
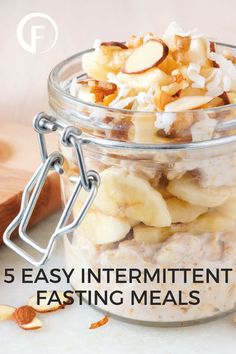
<point>88,180</point>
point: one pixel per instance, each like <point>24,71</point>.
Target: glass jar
<point>161,233</point>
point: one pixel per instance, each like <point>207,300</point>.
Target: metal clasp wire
<point>88,180</point>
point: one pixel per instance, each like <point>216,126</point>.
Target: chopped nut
<point>177,78</point>
<point>230,57</point>
<point>109,98</point>
<point>134,41</point>
<point>182,43</point>
<point>100,323</point>
<point>101,89</point>
<point>180,57</point>
<point>148,36</point>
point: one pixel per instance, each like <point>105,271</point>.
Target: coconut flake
<point>215,87</point>
<point>122,103</point>
<point>144,100</point>
<point>228,70</point>
<point>123,89</point>
<point>227,83</point>
<point>174,29</point>
<point>193,73</point>
<point>211,76</point>
<point>164,121</point>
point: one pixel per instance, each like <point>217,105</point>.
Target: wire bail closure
<point>88,180</point>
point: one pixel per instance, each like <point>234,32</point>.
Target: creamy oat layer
<point>180,71</point>
<point>180,251</point>
<point>134,223</point>
<point>160,209</point>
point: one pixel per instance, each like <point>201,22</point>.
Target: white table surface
<point>66,331</point>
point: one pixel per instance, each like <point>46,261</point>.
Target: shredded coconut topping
<point>193,72</point>
<point>178,72</point>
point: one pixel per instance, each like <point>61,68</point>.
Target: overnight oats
<point>161,112</point>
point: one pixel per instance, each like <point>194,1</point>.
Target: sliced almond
<point>145,57</point>
<point>24,315</point>
<point>225,98</point>
<point>175,87</point>
<point>35,324</point>
<point>186,103</point>
<point>44,307</point>
<point>114,44</point>
<point>192,91</point>
<point>6,312</point>
<point>216,102</point>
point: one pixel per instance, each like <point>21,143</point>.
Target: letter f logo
<point>36,32</point>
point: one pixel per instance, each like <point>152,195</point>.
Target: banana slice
<point>182,211</point>
<point>151,235</point>
<point>99,63</point>
<point>93,68</point>
<point>188,189</point>
<point>102,229</point>
<point>144,130</point>
<point>228,209</point>
<point>124,194</point>
<point>209,222</point>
